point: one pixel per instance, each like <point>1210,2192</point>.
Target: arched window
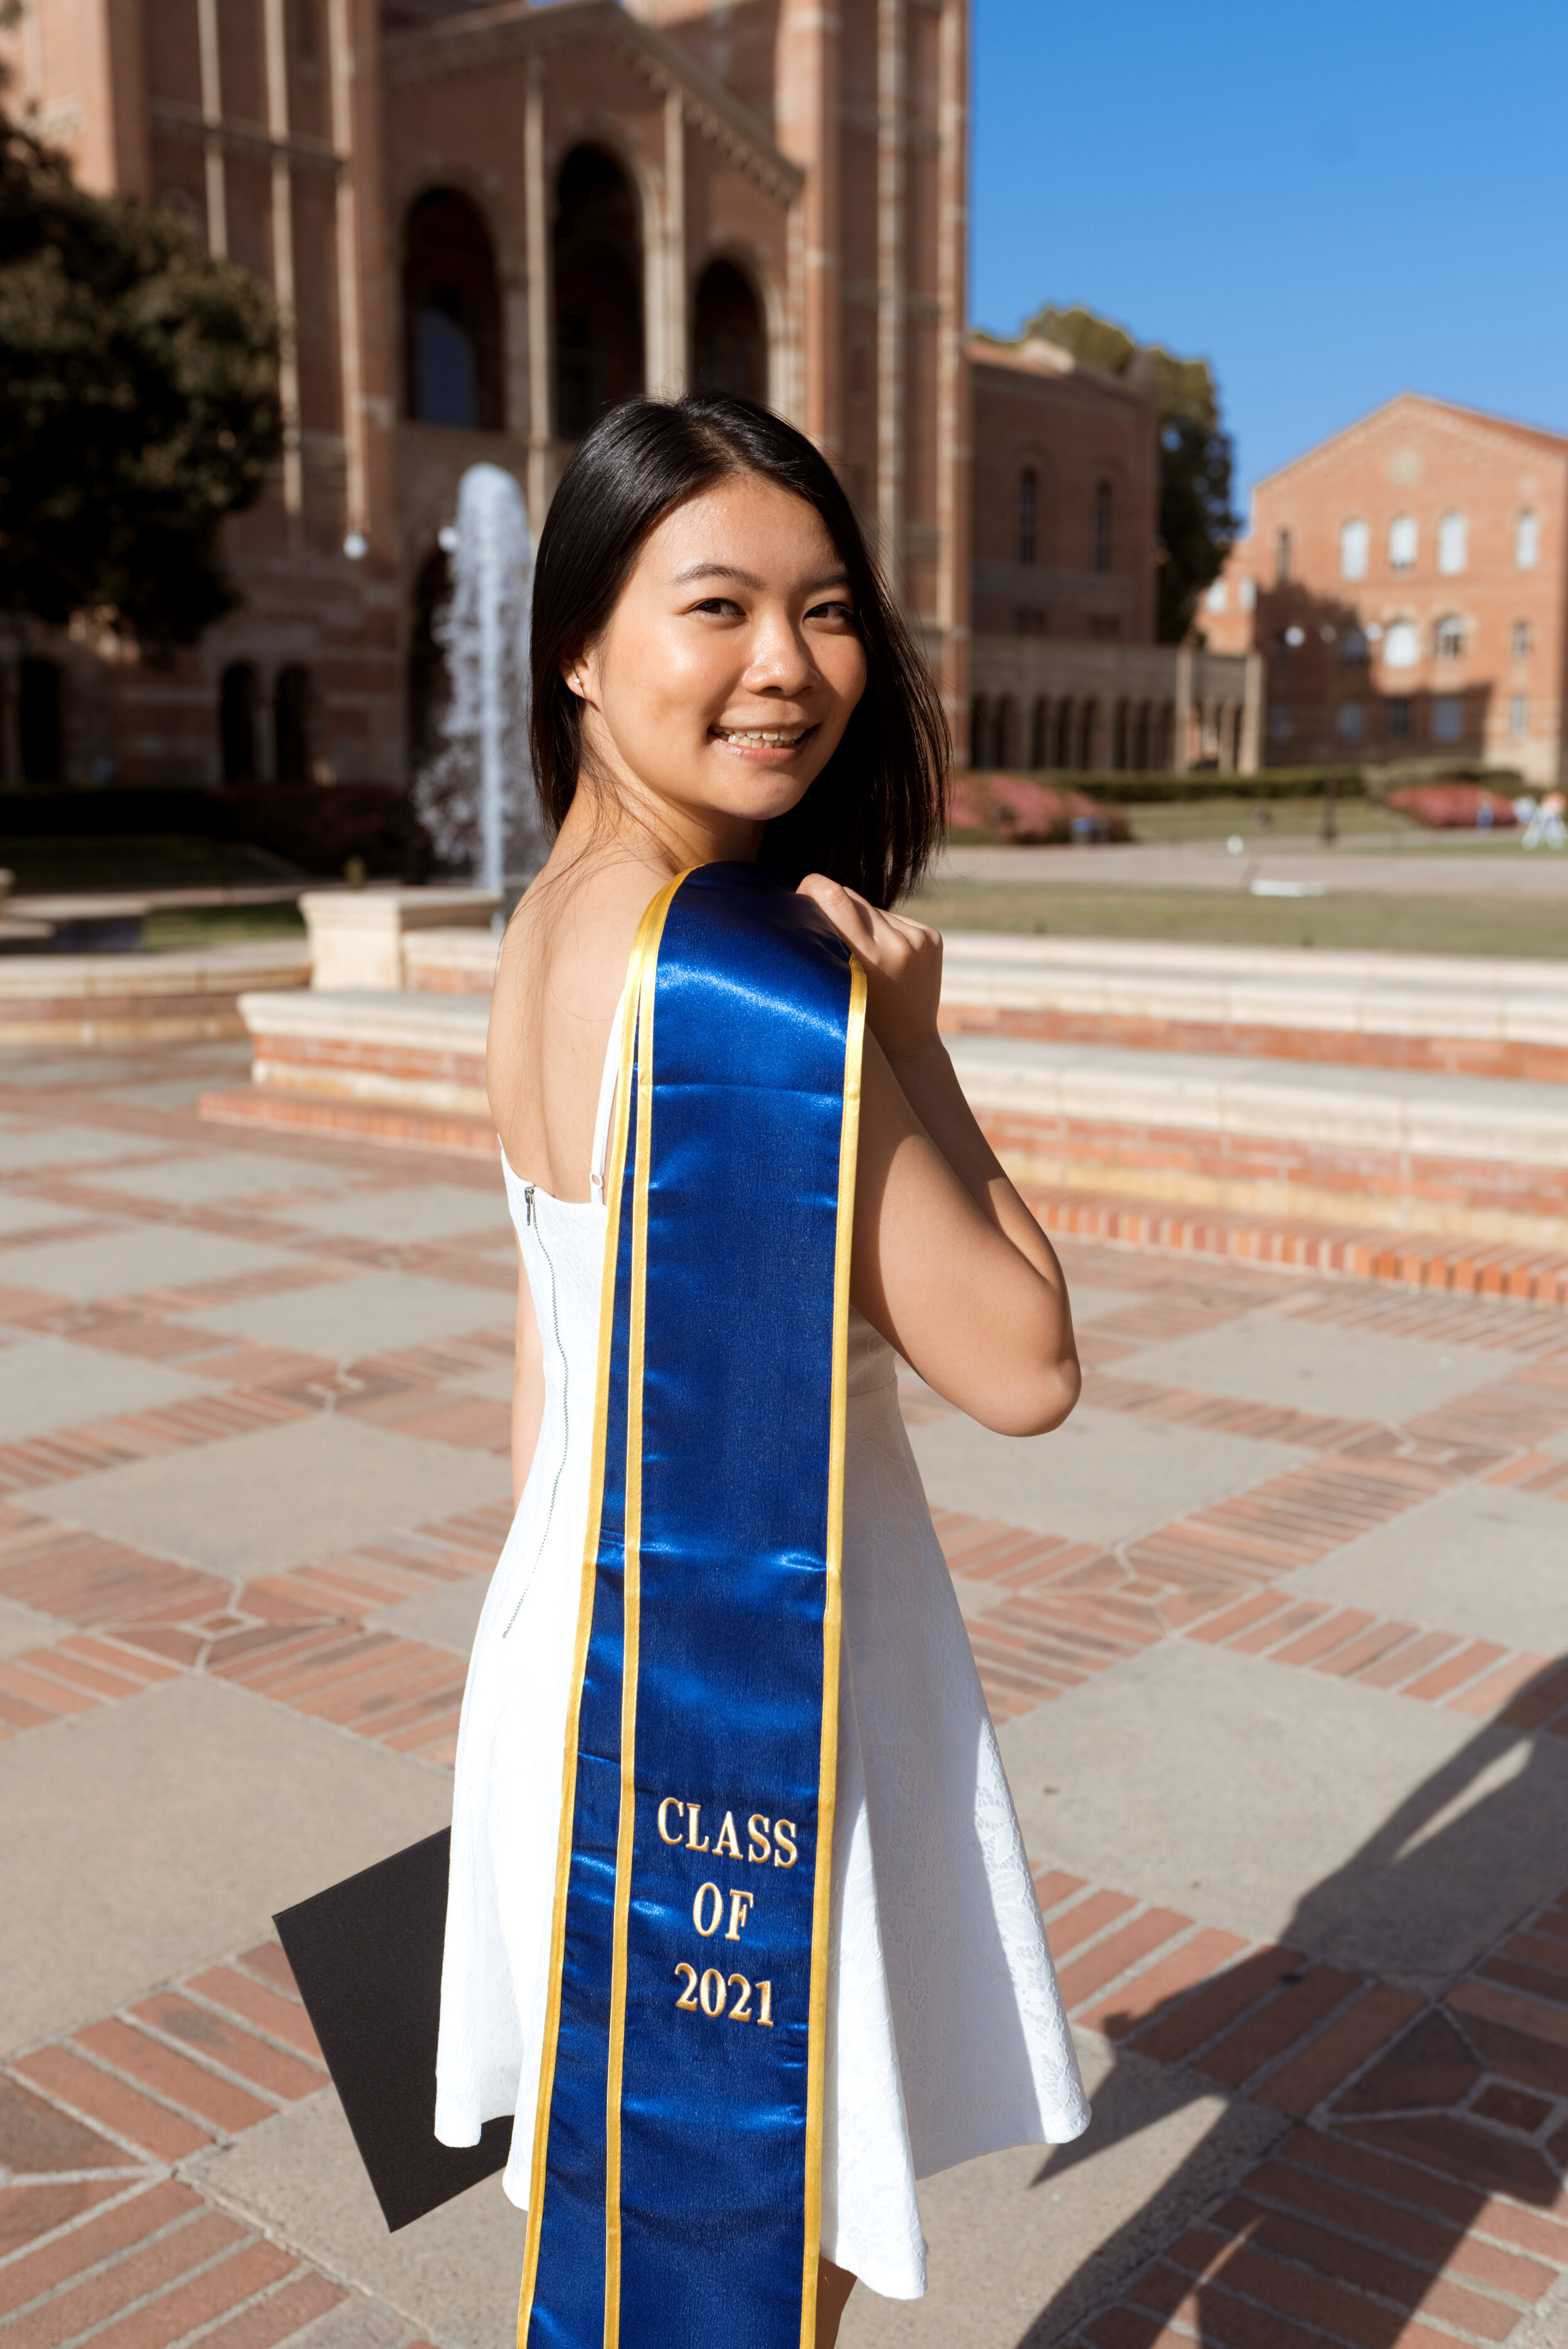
<point>1448,637</point>
<point>1089,728</point>
<point>1028,518</point>
<point>451,315</point>
<point>1064,757</point>
<point>728,341</point>
<point>1402,646</point>
<point>1404,543</point>
<point>1104,518</point>
<point>1520,640</point>
<point>1141,736</point>
<point>1354,540</point>
<point>1004,731</point>
<point>1453,545</point>
<point>1447,718</point>
<point>1526,541</point>
<point>291,724</point>
<point>426,675</point>
<point>38,721</point>
<point>237,701</point>
<point>598,291</point>
<point>1353,648</point>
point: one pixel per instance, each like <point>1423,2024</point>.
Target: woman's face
<point>725,680</point>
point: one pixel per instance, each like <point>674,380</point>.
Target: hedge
<point>1121,789</point>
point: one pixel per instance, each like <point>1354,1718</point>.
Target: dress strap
<point>608,1083</point>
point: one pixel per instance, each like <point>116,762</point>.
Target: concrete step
<point>1483,1158</point>
<point>1458,1014</point>
<point>118,999</point>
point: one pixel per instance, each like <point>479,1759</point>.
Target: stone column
<point>536,204</point>
<point>664,262</point>
<point>350,323</point>
<point>954,401</point>
<point>1252,716</point>
<point>1181,731</point>
<point>213,126</point>
<point>276,44</point>
<point>808,117</point>
<point>891,353</point>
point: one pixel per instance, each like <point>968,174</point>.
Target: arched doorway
<point>39,723</point>
<point>598,291</point>
<point>291,722</point>
<point>451,315</point>
<point>428,682</point>
<point>237,697</point>
<point>730,340</point>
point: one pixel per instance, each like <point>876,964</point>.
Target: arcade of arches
<point>598,271</point>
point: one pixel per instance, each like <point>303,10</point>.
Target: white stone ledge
<point>376,1019</point>
<point>202,970</point>
<point>1471,999</point>
<point>1408,1111</point>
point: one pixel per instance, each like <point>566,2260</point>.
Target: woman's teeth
<point>756,739</point>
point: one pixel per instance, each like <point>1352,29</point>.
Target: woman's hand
<point>902,962</point>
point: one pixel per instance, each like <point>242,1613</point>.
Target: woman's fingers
<point>902,962</point>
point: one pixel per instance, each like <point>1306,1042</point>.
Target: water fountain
<point>476,795</point>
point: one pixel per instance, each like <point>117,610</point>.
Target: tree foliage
<point>137,404</point>
<point>1197,525</point>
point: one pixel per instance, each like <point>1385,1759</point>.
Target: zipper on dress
<point>538,1230</point>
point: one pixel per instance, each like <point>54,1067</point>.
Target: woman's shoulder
<point>568,943</point>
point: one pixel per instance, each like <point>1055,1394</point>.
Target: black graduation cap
<point>366,1956</point>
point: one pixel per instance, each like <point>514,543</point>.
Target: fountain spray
<point>476,794</point>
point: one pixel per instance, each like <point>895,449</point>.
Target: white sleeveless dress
<point>946,2038</point>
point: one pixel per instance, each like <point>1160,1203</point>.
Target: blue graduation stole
<point>677,2180</point>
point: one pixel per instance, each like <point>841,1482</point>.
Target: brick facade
<point>767,197</point>
<point>1065,672</point>
<point>1406,582</point>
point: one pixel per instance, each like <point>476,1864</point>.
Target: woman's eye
<point>845,613</point>
<point>722,606</point>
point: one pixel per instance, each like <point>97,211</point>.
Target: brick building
<point>1406,583</point>
<point>484,222</point>
<point>1065,671</point>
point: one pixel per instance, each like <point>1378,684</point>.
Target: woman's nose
<point>780,658</point>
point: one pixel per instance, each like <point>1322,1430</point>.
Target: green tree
<point>137,404</point>
<point>1197,525</point>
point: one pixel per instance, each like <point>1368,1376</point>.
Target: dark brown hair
<point>874,816</point>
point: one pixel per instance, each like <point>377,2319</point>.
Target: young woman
<point>720,679</point>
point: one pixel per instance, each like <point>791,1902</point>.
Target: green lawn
<point>1478,926</point>
<point>140,860</point>
<point>1266,820</point>
<point>220,926</point>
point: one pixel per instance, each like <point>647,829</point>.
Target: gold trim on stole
<point>645,950</point>
<point>828,1787</point>
<point>631,1642</point>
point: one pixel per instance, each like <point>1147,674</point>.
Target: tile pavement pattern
<point>1413,2194</point>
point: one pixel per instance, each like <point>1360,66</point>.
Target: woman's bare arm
<point>948,1262</point>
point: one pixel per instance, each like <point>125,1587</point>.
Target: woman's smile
<point>772,746</point>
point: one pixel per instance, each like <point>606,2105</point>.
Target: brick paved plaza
<point>1276,1633</point>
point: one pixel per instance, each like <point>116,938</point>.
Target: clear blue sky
<point>1332,203</point>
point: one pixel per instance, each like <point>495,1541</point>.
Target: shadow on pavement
<point>1353,2220</point>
